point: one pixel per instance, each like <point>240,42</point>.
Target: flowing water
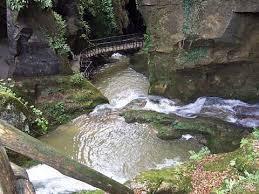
<point>105,142</point>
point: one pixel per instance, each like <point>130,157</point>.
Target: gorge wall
<point>203,48</point>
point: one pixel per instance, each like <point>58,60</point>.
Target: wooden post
<point>7,178</point>
<point>24,144</point>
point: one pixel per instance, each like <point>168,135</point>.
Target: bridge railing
<point>116,38</point>
<point>112,41</point>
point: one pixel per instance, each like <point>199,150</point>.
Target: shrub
<point>57,40</point>
<point>18,5</point>
<point>199,155</point>
<point>58,112</point>
<point>77,79</point>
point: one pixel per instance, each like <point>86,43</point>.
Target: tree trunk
<point>24,144</point>
<point>7,178</point>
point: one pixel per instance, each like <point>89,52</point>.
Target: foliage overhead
<point>18,5</point>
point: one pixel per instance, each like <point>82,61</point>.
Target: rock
<point>220,136</point>
<point>15,112</point>
<point>30,52</point>
<point>139,62</point>
<point>61,98</point>
<point>203,48</point>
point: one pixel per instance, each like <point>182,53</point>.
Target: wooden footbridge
<point>108,45</point>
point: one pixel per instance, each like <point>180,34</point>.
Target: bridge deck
<point>107,45</point>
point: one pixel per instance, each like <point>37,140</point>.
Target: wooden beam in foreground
<point>24,144</point>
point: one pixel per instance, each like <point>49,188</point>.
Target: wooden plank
<point>26,145</point>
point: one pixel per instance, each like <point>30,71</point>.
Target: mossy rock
<point>221,136</point>
<point>60,99</point>
<point>17,113</point>
<point>169,180</point>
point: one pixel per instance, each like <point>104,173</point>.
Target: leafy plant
<point>18,5</point>
<point>199,155</point>
<point>256,133</point>
<point>40,120</point>
<point>58,112</point>
<point>6,87</point>
<point>107,8</point>
<point>57,40</point>
<point>77,79</point>
<point>239,185</point>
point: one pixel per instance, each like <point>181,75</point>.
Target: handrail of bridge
<point>113,43</point>
<point>115,38</point>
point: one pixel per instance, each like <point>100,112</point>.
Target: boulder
<point>218,135</point>
<point>30,52</point>
<point>203,48</point>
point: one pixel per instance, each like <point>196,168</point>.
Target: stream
<point>105,142</point>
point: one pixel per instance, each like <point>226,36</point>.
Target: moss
<point>175,179</point>
<point>59,98</point>
<point>90,192</point>
<point>192,56</point>
<point>218,133</point>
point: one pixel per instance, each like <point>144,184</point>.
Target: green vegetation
<point>147,43</point>
<point>62,98</point>
<point>217,133</point>
<point>192,11</point>
<point>18,5</point>
<point>103,17</point>
<point>192,56</point>
<point>16,105</point>
<point>77,79</point>
<point>90,192</point>
<point>107,9</point>
<point>58,112</point>
<point>233,172</point>
<point>247,183</point>
<point>175,179</point>
<point>57,39</point>
<point>199,155</point>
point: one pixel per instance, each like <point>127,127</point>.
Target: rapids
<point>105,142</point>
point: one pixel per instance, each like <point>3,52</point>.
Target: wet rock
<point>203,48</point>
<point>139,62</point>
<point>220,136</point>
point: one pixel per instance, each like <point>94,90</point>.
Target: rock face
<point>203,48</point>
<point>29,49</point>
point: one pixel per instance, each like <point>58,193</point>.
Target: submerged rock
<point>220,136</point>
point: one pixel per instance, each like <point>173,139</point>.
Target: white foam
<point>117,56</point>
<point>168,163</point>
<point>187,137</point>
<point>47,180</point>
